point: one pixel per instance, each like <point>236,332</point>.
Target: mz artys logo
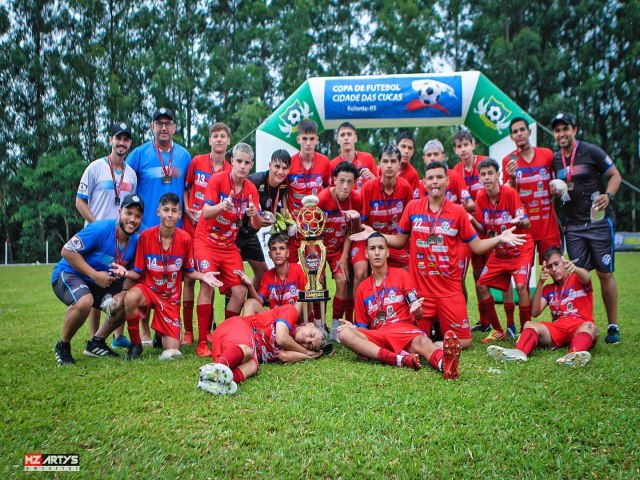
<point>293,115</point>
<point>493,113</point>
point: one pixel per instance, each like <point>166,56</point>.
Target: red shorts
<point>166,316</point>
<point>394,336</point>
<point>563,330</point>
<point>478,262</point>
<point>357,252</point>
<point>451,312</point>
<point>188,227</point>
<point>332,261</point>
<point>464,258</point>
<point>233,331</point>
<point>545,244</point>
<point>210,258</point>
<point>497,272</point>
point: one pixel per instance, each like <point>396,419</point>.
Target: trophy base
<point>313,296</point>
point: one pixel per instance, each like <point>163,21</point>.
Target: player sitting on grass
<point>570,298</point>
<point>386,306</point>
<point>241,343</point>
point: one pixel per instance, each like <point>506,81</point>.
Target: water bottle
<point>596,215</point>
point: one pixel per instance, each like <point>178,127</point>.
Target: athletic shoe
<point>202,350</point>
<point>97,347</point>
<point>506,354</point>
<point>147,342</point>
<point>412,361</point>
<point>495,336</point>
<point>613,334</point>
<point>328,348</point>
<point>157,341</point>
<point>215,388</point>
<point>170,354</point>
<point>187,339</point>
<point>63,354</point>
<point>478,327</point>
<point>120,342</point>
<point>216,372</point>
<point>575,359</point>
<point>511,331</point>
<point>134,351</point>
<point>451,347</point>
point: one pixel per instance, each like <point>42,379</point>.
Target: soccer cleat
<point>120,342</point>
<point>157,341</point>
<point>63,354</point>
<point>495,336</point>
<point>202,350</point>
<point>511,331</point>
<point>97,347</point>
<point>613,334</point>
<point>575,359</point>
<point>147,342</point>
<point>215,388</point>
<point>215,372</point>
<point>170,354</point>
<point>478,327</point>
<point>134,351</point>
<point>187,339</point>
<point>451,347</point>
<point>506,354</point>
<point>412,361</point>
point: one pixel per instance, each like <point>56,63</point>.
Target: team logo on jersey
<point>392,295</point>
<point>519,212</point>
<point>572,294</point>
<point>430,92</point>
<point>293,115</point>
<point>493,113</point>
<point>75,244</point>
<point>505,216</point>
<point>293,289</point>
<point>399,205</point>
<point>484,270</point>
<point>204,264</point>
<point>82,188</point>
<point>445,226</point>
<point>178,263</point>
<point>200,195</point>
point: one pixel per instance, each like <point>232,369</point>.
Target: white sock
<point>399,360</point>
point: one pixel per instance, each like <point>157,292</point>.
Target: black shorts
<point>250,248</point>
<point>591,245</point>
<point>70,288</point>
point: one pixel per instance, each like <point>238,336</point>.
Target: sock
<point>525,315</point>
<point>317,312</point>
<point>230,313</point>
<point>203,312</point>
<point>348,310</point>
<point>389,358</point>
<point>482,311</point>
<point>528,341</point>
<point>435,360</point>
<point>339,306</point>
<point>581,342</point>
<point>133,325</point>
<point>232,357</point>
<point>492,315</point>
<point>238,376</point>
<point>509,308</point>
<point>187,315</point>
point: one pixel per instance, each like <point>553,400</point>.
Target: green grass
<point>334,417</point>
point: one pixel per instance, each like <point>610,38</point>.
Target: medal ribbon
<point>495,210</point>
<point>236,196</point>
<point>166,170</point>
<point>116,188</point>
<point>384,200</point>
<point>379,294</point>
<point>281,286</point>
<point>558,298</point>
<point>165,260</point>
<point>569,171</point>
<point>433,224</point>
<point>120,253</point>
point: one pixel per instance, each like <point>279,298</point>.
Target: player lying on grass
<point>570,298</point>
<point>239,344</point>
<point>386,306</point>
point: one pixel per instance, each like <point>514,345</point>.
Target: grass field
<point>330,418</point>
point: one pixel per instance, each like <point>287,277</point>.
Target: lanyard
<point>165,260</point>
<point>307,174</point>
<point>337,202</point>
<point>379,294</point>
<point>120,253</point>
<point>569,171</point>
<point>116,187</point>
<point>240,196</point>
<point>433,224</point>
<point>495,209</point>
<point>274,206</point>
<point>281,286</point>
<point>558,298</point>
<point>166,170</point>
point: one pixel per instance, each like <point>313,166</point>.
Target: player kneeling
<point>386,306</point>
<point>239,344</point>
<point>570,298</point>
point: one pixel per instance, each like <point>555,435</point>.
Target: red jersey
<point>532,183</point>
<point>198,177</point>
<point>383,212</point>
<point>162,270</point>
<point>434,240</point>
<point>385,304</point>
<point>455,192</point>
<point>570,299</point>
<point>282,291</point>
<point>223,228</point>
<point>471,177</point>
<point>496,218</point>
<point>335,228</point>
<point>263,326</point>
<point>362,159</point>
<point>302,182</point>
<point>411,175</point>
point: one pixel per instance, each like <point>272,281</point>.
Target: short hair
<point>390,149</point>
<point>308,126</point>
<point>281,155</point>
<point>346,167</point>
<point>435,164</point>
<point>277,238</point>
<point>376,235</point>
<point>216,127</point>
<point>346,125</point>
<point>404,135</point>
<point>433,145</point>
<point>551,251</point>
<point>489,163</point>
<point>462,135</point>
<point>518,119</point>
<point>323,336</point>
<point>169,198</point>
<point>242,147</point>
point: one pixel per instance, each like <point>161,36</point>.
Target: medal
<point>165,278</point>
<point>381,317</point>
<point>238,222</point>
<point>431,240</point>
<point>166,179</point>
<point>570,186</point>
<point>166,169</point>
<point>116,200</point>
<point>492,234</point>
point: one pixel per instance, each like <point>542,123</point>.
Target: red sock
<point>238,376</point>
<point>133,325</point>
<point>435,360</point>
<point>525,315</point>
<point>388,357</point>
<point>492,315</point>
<point>232,357</point>
<point>203,312</point>
<point>528,341</point>
<point>581,342</point>
<point>348,311</point>
<point>230,313</point>
<point>509,308</point>
<point>187,315</point>
<point>339,306</point>
<point>482,311</point>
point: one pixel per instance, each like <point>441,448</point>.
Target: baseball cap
<point>563,117</point>
<point>163,112</point>
<point>120,127</point>
<point>132,200</point>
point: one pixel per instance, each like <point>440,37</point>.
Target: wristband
<point>611,196</point>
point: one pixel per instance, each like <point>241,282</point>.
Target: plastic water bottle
<point>596,215</point>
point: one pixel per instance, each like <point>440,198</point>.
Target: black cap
<point>120,127</point>
<point>163,112</point>
<point>563,117</point>
<point>132,200</point>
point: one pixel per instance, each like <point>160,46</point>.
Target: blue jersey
<point>97,244</point>
<point>145,162</point>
